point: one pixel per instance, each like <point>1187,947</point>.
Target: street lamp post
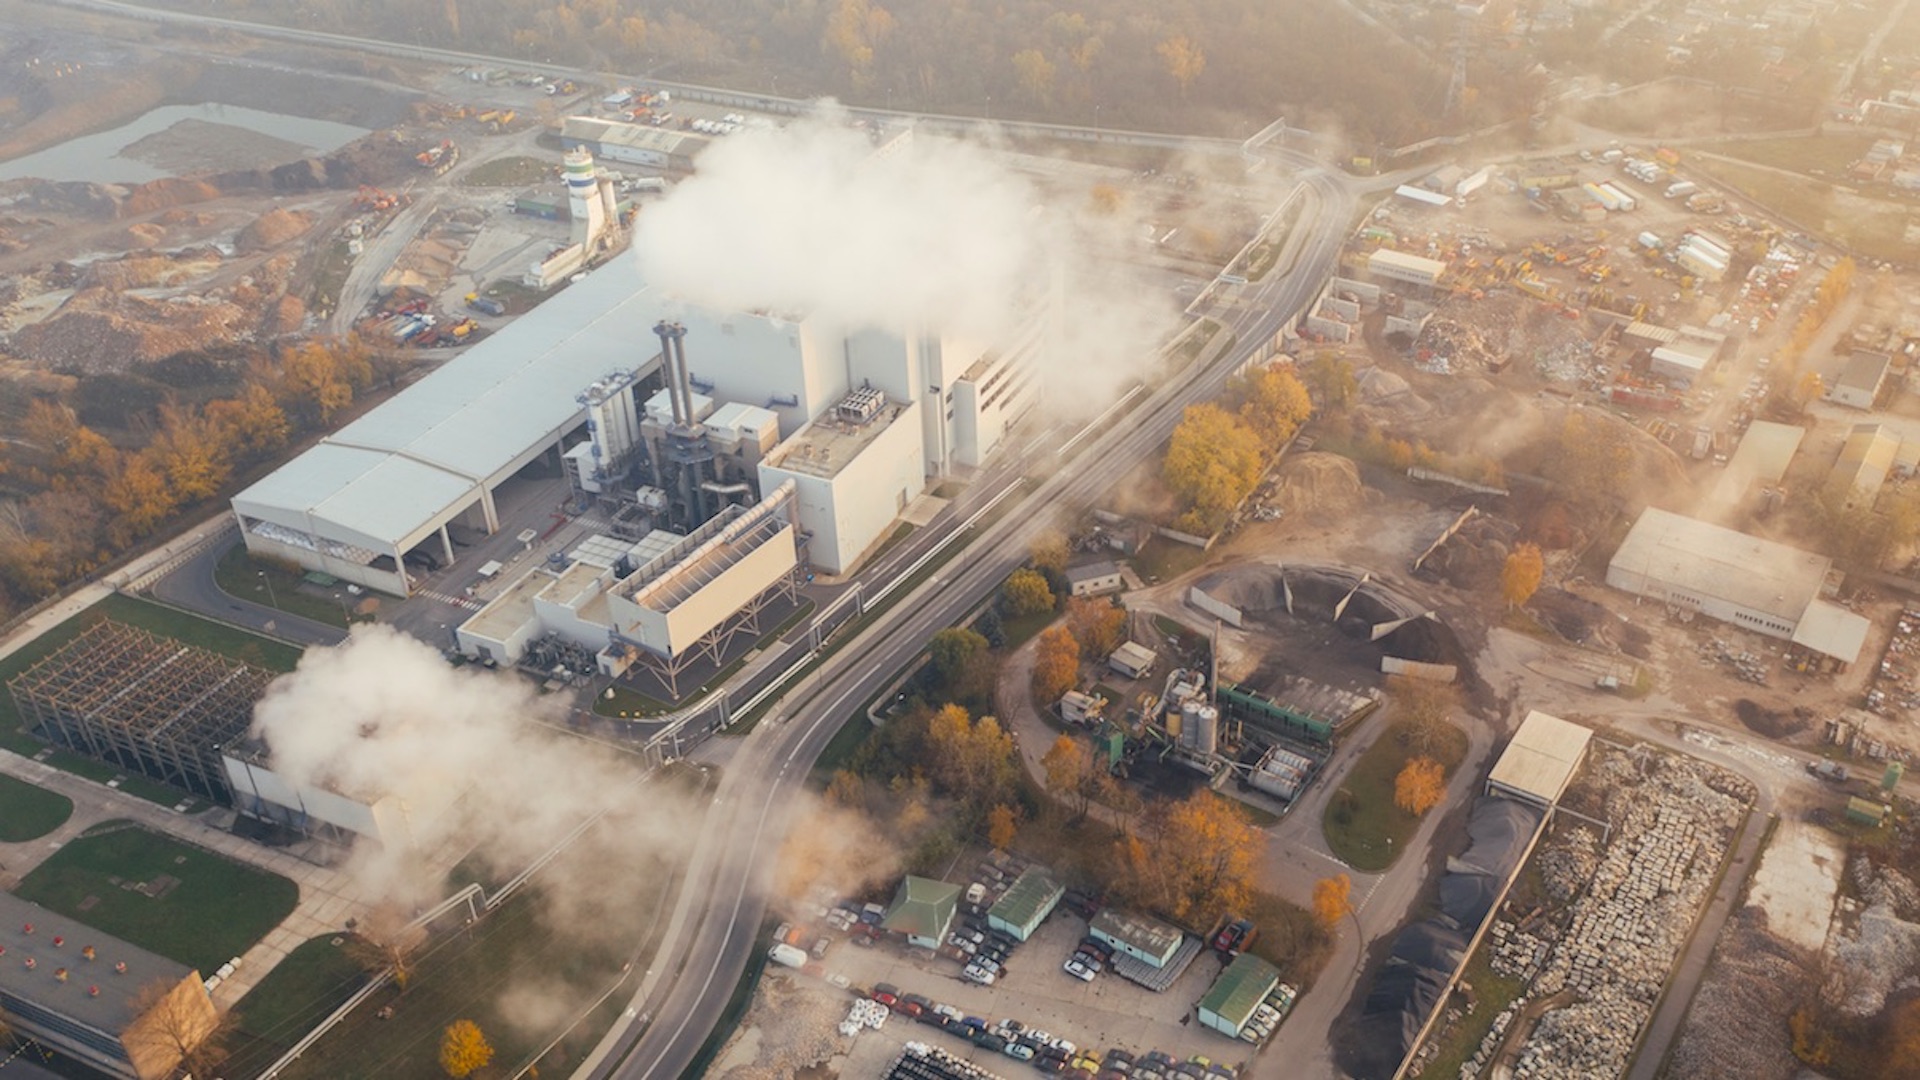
<point>272,601</point>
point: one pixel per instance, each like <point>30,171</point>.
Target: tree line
<point>73,497</point>
<point>1229,67</point>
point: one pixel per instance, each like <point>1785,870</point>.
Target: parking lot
<point>1105,1013</point>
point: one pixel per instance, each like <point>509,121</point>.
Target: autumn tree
<point>190,453</point>
<point>1330,377</point>
<point>1193,859</point>
<point>1048,552</point>
<point>1035,73</point>
<point>140,498</point>
<point>386,941</point>
<point>953,651</point>
<point>1420,786</point>
<point>855,31</point>
<point>1273,404</point>
<point>1003,823</point>
<point>1332,900</point>
<point>1213,462</point>
<point>1056,665</point>
<point>311,382</point>
<point>463,1049</point>
<point>1075,775</point>
<point>1422,708</point>
<point>177,1030</point>
<point>251,425</point>
<point>1592,460</point>
<point>976,756</point>
<point>1026,593</point>
<point>1183,60</point>
<point>1096,624</point>
<point>1520,577</point>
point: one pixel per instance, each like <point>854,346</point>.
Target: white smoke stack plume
<point>460,757</point>
<point>937,235</point>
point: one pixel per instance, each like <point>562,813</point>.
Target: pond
<point>180,139</point>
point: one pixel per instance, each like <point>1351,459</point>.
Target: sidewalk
<point>328,897</point>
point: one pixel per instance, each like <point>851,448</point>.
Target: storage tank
<point>1200,728</point>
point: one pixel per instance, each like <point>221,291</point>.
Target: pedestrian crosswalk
<point>467,602</point>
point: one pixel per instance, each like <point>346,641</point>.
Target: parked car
<point>1078,969</point>
<point>1019,1051</point>
<point>1102,948</point>
<point>990,1042</point>
<point>885,999</point>
<point>974,973</point>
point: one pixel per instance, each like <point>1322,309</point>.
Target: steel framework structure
<point>142,703</point>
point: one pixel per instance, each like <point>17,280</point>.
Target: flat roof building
<point>1132,660</point>
<point>1145,939</point>
<point>1391,265</point>
<point>1865,460</point>
<point>1540,761</point>
<point>1860,382</point>
<point>1230,1003</point>
<point>1093,579</point>
<point>1756,584</point>
<point>80,992</point>
<point>1765,451</point>
<point>1026,903</point>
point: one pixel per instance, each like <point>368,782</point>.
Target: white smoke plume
<point>936,235</point>
<point>457,757</point>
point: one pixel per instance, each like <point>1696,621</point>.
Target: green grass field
<point>313,980</point>
<point>1363,826</point>
<point>240,575</point>
<point>509,172</point>
<point>1872,227</point>
<point>217,910</point>
<point>1828,155</point>
<point>29,813</point>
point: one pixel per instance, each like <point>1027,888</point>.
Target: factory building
<point>79,992</point>
<point>1758,585</point>
<point>593,210</point>
<point>657,148</point>
<point>872,416</point>
<point>1095,579</point>
<point>1861,381</point>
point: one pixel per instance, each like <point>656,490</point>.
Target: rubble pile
<point>1879,956</point>
<point>1566,867</point>
<point>865,1013</point>
<point>1517,953</point>
<point>792,1031</point>
<point>1894,687</point>
<point>1381,389</point>
<point>273,228</point>
<point>1883,886</point>
<point>1473,557</point>
<point>97,331</point>
<point>1737,1023</point>
<point>1675,818</point>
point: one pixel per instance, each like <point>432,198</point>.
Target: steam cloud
<point>937,235</point>
<point>459,757</point>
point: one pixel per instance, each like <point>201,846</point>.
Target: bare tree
<point>386,941</point>
<point>176,1030</point>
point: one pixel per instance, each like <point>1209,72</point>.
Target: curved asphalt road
<point>719,910</point>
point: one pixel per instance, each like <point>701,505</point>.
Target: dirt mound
<point>1318,483</point>
<point>147,271</point>
<point>1771,723</point>
<point>1473,558</point>
<point>1572,617</point>
<point>98,331</point>
<point>273,228</point>
<point>1382,389</point>
<point>165,194</point>
<point>144,235</point>
<point>284,316</point>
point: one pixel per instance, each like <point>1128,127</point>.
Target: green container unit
<point>1262,711</point>
<point>1862,812</point>
<point>1891,778</point>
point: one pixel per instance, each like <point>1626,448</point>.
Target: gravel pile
<point>1737,1025</point>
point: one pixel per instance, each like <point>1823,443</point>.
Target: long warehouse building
<point>438,454</point>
